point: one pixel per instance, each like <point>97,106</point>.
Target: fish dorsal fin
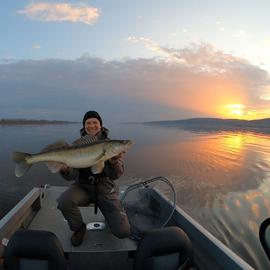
<point>87,139</point>
<point>55,145</point>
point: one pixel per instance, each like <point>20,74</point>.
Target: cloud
<point>61,12</point>
<point>36,46</point>
<point>197,55</point>
<point>219,22</point>
<point>241,33</point>
<point>265,93</point>
<point>149,44</point>
<point>134,89</point>
<point>7,61</point>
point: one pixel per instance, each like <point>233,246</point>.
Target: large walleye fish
<point>81,154</point>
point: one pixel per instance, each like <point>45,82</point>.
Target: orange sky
<point>213,94</point>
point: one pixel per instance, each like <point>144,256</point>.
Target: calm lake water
<point>222,179</point>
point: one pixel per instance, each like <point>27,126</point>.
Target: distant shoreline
<point>33,122</point>
<point>216,124</point>
<point>265,122</point>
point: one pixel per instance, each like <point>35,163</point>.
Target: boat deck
<point>100,249</point>
<point>98,246</point>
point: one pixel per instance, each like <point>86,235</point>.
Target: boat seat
<point>166,248</point>
<point>264,234</point>
<point>34,250</point>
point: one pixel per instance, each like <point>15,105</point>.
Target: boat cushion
<point>29,264</point>
<point>166,248</point>
<point>165,262</point>
<point>27,247</point>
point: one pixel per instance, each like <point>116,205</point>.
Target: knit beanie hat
<point>92,114</point>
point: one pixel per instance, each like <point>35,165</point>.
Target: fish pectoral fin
<point>98,167</point>
<point>54,167</point>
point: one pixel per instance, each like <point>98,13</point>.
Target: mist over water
<point>221,178</point>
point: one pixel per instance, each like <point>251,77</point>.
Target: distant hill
<point>214,124</point>
<point>32,122</point>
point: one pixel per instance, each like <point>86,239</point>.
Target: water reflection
<point>235,217</point>
<point>222,178</point>
<point>224,160</point>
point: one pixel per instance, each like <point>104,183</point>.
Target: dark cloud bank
<point>125,90</point>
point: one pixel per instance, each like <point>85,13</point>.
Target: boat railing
<point>19,216</point>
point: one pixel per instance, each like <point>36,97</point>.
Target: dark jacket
<point>106,178</point>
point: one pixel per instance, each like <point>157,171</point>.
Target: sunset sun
<point>235,109</point>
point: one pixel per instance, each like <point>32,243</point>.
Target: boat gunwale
<point>16,217</point>
<point>225,255</point>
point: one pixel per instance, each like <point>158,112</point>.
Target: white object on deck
<point>5,242</point>
<point>93,226</point>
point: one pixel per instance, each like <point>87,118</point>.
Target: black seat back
<point>264,234</point>
<point>166,248</point>
<point>34,250</point>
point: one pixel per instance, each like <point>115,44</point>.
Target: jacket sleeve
<point>71,174</point>
<point>115,170</point>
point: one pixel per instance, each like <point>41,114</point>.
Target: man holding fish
<point>94,162</point>
<point>83,191</point>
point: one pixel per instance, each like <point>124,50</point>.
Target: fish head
<point>115,147</point>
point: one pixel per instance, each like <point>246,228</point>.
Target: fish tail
<point>21,164</point>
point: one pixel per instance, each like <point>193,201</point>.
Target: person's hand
<point>64,169</point>
<point>115,159</point>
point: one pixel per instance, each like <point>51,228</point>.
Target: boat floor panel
<point>49,218</point>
